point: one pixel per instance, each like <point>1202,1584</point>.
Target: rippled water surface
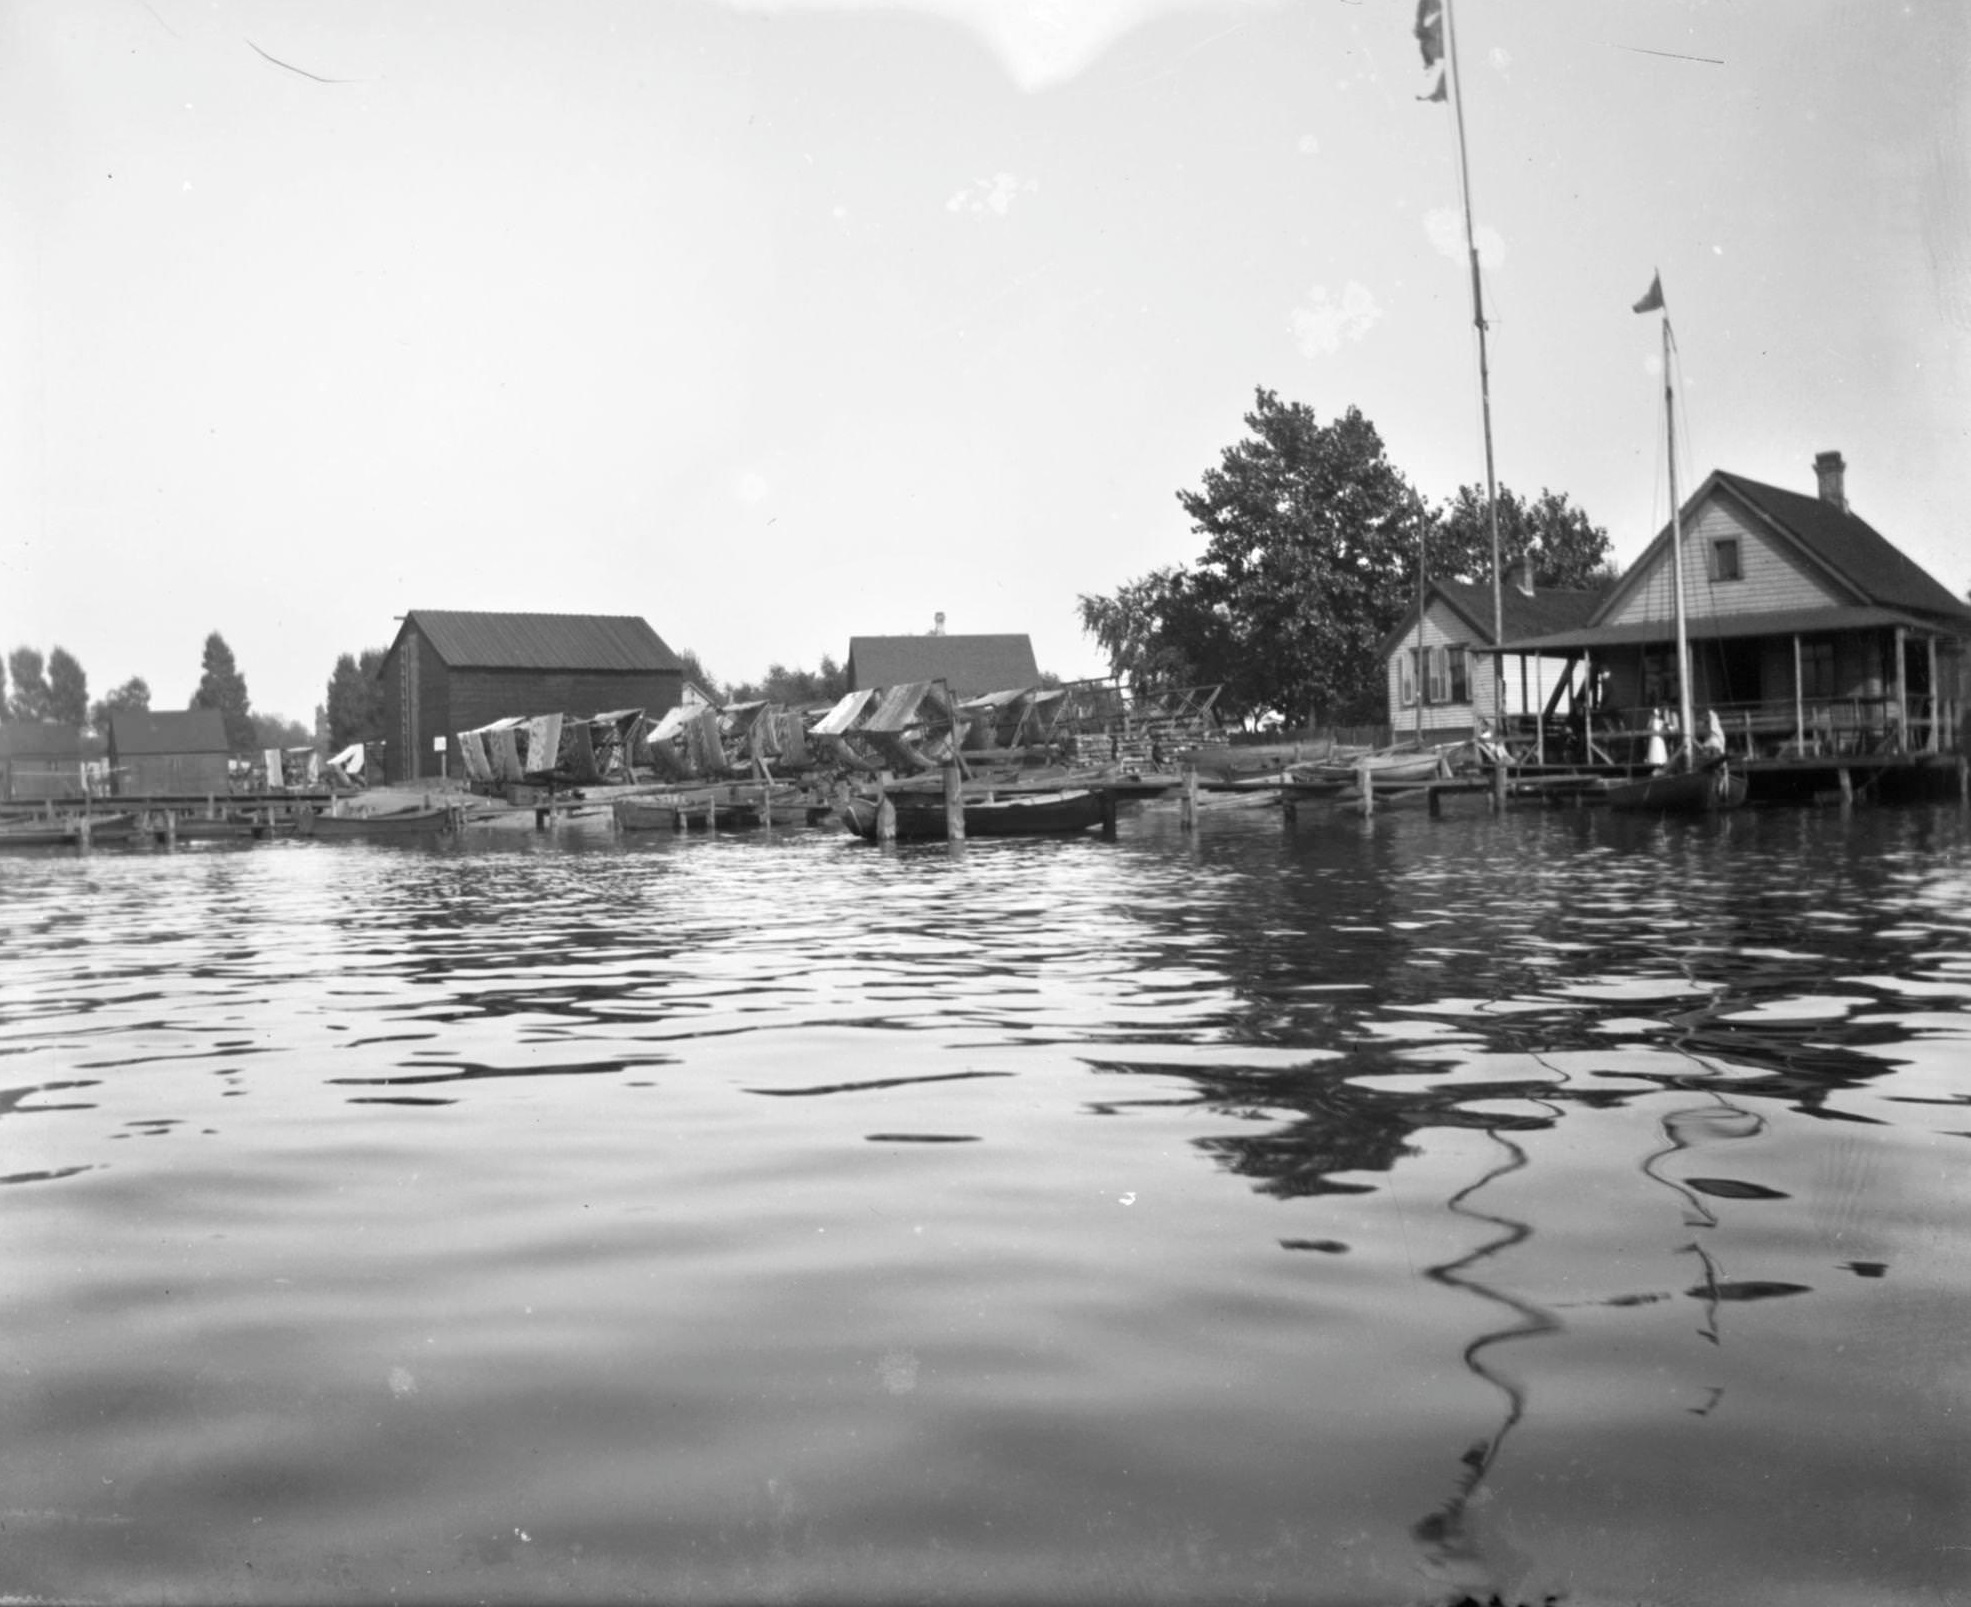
<point>1363,1212</point>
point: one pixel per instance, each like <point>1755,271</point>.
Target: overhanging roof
<point>491,641</point>
<point>1718,627</point>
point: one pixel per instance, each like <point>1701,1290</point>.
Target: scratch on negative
<point>276,60</point>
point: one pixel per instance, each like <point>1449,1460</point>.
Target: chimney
<point>1832,474</point>
<point>1524,579</point>
<point>937,628</point>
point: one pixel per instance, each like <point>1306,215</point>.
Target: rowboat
<point>675,811</point>
<point>399,823</point>
<point>1680,792</point>
<point>67,832</point>
<point>921,814</point>
<point>1397,767</point>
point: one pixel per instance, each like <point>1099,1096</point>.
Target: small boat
<point>1680,792</point>
<point>675,811</point>
<point>399,823</point>
<point>920,815</point>
<point>1394,767</point>
<point>66,831</point>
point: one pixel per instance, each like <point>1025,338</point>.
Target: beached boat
<point>921,814</point>
<point>398,823</point>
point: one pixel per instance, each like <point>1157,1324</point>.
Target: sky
<point>778,322</point>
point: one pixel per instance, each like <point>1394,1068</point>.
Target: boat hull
<point>922,816</point>
<point>409,823</point>
<point>1689,792</point>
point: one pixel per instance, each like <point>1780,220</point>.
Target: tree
<point>354,710</point>
<point>794,686</point>
<point>275,731</point>
<point>68,688</point>
<point>1310,530</point>
<point>222,687</point>
<point>696,673</point>
<point>132,697</point>
<point>1569,551</point>
<point>1158,632</point>
<point>30,699</point>
<point>3,691</point>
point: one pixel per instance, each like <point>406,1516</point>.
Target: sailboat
<point>1690,782</point>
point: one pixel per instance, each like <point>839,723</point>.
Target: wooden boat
<point>1394,767</point>
<point>920,815</point>
<point>675,811</point>
<point>1680,792</point>
<point>399,823</point>
<point>66,831</point>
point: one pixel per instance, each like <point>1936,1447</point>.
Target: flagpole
<point>1484,395</point>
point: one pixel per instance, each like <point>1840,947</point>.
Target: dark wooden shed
<point>39,760</point>
<point>449,671</point>
<point>180,751</point>
<point>969,665</point>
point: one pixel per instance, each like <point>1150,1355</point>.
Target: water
<point>1373,1212</point>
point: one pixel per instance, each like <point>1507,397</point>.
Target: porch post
<point>1902,690</point>
<point>1933,744</point>
<point>1799,703</point>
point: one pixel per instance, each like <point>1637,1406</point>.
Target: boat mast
<point>1677,547</point>
<point>1484,379</point>
<point>1423,533</point>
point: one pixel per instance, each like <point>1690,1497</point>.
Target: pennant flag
<point>1652,298</point>
<point>1430,40</point>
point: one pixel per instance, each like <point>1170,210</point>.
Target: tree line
<point>55,690</point>
<point>1313,542</point>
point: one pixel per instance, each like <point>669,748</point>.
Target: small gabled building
<point>39,760</point>
<point>1442,680</point>
<point>181,751</point>
<point>450,671</point>
<point>968,665</point>
<point>1810,633</point>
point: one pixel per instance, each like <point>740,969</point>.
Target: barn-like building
<point>449,671</point>
<point>969,665</point>
<point>173,751</point>
<point>38,760</point>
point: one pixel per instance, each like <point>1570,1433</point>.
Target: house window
<point>1724,559</point>
<point>1817,668</point>
<point>1460,674</point>
<point>1406,676</point>
<point>1438,689</point>
<point>1659,676</point>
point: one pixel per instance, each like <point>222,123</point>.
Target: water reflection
<point>1173,1217</point>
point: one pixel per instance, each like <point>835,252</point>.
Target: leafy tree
<point>696,673</point>
<point>1159,631</point>
<point>132,697</point>
<point>794,686</point>
<point>3,691</point>
<point>275,731</point>
<point>30,699</point>
<point>68,688</point>
<point>354,710</point>
<point>222,687</point>
<point>1569,551</point>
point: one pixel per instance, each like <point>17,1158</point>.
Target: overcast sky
<point>778,323</point>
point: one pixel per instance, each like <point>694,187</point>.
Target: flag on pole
<point>1430,40</point>
<point>1653,297</point>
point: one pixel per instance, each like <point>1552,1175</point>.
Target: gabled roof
<point>173,731</point>
<point>967,664</point>
<point>1830,539</point>
<point>1522,615</point>
<point>38,739</point>
<point>541,641</point>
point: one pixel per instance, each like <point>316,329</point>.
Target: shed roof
<point>967,664</point>
<point>1521,614</point>
<point>38,739</point>
<point>541,641</point>
<point>133,735</point>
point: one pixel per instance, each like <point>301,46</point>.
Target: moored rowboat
<point>921,815</point>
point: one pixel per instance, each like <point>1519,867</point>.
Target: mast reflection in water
<point>1408,1211</point>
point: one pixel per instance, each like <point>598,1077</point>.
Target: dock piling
<point>954,805</point>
